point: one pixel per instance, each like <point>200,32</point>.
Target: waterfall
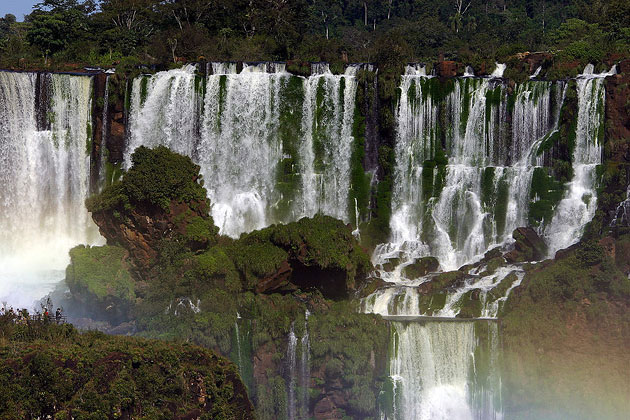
<point>329,105</point>
<point>473,202</point>
<point>499,70</point>
<point>578,206</point>
<point>240,148</point>
<point>435,373</point>
<point>292,409</point>
<point>272,147</point>
<point>165,110</point>
<point>44,173</point>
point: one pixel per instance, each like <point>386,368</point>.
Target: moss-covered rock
<point>99,279</point>
<point>421,267</point>
<point>160,197</point>
<point>528,246</point>
<point>319,253</point>
<point>52,371</point>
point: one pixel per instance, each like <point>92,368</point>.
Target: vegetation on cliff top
<point>390,32</point>
<point>52,370</point>
<point>157,177</point>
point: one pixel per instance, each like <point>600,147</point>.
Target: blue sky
<point>17,7</point>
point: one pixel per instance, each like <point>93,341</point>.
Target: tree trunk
<point>365,22</point>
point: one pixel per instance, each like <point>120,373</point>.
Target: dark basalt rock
<point>421,267</point>
<point>528,247</point>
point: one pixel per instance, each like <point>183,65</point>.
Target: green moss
<point>343,344</point>
<point>290,132</point>
<point>144,81</point>
<point>359,196</point>
<point>100,272</point>
<point>470,305</point>
<point>257,260</point>
<point>432,303</point>
<point>52,371</point>
<point>157,177</point>
<point>200,230</point>
<point>113,173</point>
<point>545,193</point>
<point>323,113</point>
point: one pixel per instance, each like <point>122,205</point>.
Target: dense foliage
<point>49,370</point>
<point>156,178</point>
<point>124,32</point>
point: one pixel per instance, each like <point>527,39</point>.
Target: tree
<point>55,23</point>
<point>461,7</point>
<point>129,23</point>
<point>187,12</point>
<point>324,13</point>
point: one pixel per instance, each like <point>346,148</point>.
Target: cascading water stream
<point>165,110</point>
<point>292,410</point>
<point>44,175</point>
<point>578,206</point>
<point>305,370</point>
<point>440,378</point>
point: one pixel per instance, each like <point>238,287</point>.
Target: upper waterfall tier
<point>465,155</point>
<point>468,171</point>
<point>273,147</point>
<point>45,121</point>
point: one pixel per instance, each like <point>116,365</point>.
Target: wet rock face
<point>618,114</point>
<point>142,229</point>
<point>528,247</point>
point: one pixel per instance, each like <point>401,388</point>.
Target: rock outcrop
<point>52,371</point>
<point>159,199</point>
<point>528,246</point>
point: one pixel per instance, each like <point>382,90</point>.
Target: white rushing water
<point>272,147</point>
<point>165,110</point>
<point>457,212</point>
<point>441,378</point>
<point>240,147</point>
<point>44,178</point>
<point>578,206</point>
<point>328,116</point>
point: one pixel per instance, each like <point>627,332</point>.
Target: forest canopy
<point>110,32</point>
